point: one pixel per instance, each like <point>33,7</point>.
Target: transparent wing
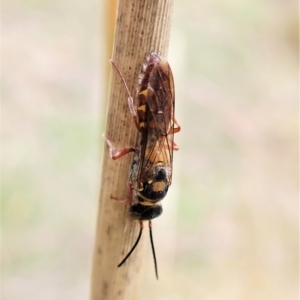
<point>157,146</point>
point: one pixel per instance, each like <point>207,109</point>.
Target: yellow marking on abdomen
<point>144,92</point>
<point>142,108</point>
<point>159,186</point>
<point>148,203</point>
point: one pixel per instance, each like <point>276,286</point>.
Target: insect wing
<point>158,136</point>
<point>161,104</point>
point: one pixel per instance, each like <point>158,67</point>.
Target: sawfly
<point>150,174</point>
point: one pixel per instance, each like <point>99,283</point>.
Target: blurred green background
<point>230,223</point>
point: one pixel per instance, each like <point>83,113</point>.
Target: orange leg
<point>175,129</point>
<point>174,145</point>
<point>115,154</point>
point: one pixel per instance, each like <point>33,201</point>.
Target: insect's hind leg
<point>130,98</point>
<point>113,152</point>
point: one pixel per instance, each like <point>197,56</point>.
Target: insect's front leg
<point>128,200</point>
<point>113,152</point>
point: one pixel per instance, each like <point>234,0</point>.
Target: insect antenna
<point>134,246</point>
<point>153,250</point>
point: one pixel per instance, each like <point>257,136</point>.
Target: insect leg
<point>123,201</point>
<point>115,154</point>
<point>130,99</point>
<point>174,129</point>
<point>175,147</point>
<point>133,113</point>
<point>170,144</point>
<point>126,201</point>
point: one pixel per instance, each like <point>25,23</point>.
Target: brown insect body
<point>150,173</point>
<point>155,96</point>
<point>155,115</point>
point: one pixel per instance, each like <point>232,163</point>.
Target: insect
<point>150,174</point>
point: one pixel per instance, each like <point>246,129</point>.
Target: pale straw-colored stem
<point>141,26</point>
